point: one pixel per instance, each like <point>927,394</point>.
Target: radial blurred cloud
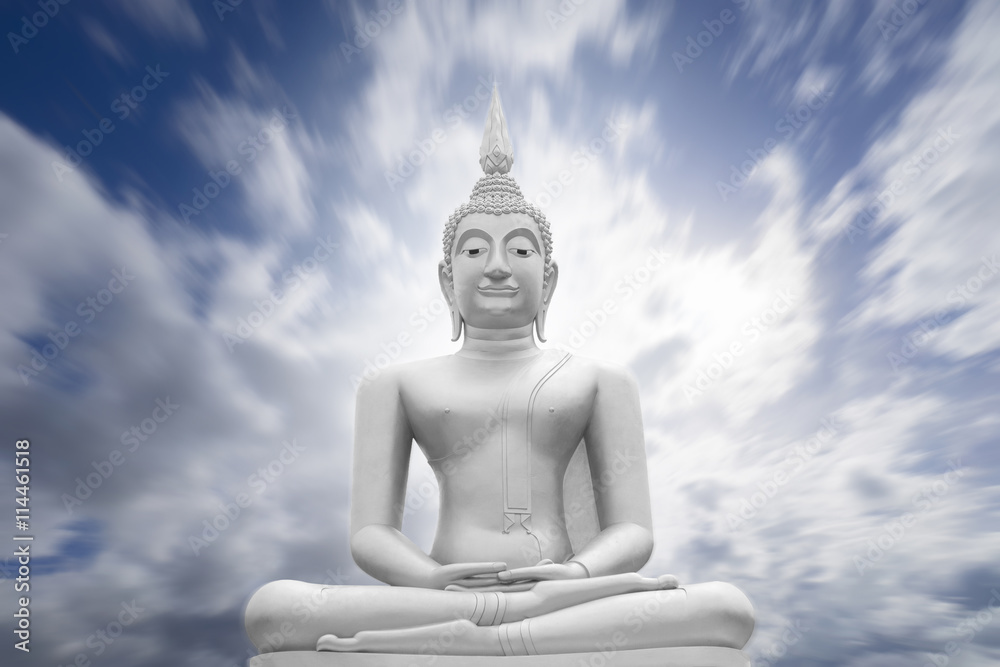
<point>781,217</point>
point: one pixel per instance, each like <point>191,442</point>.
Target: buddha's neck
<point>498,343</point>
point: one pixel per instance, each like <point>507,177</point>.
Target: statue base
<point>684,656</point>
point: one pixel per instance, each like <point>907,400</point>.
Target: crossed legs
<point>293,615</point>
<point>712,614</point>
<point>624,610</point>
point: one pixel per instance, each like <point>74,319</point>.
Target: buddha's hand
<point>545,570</point>
<point>466,575</point>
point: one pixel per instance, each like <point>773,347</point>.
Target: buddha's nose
<point>497,267</point>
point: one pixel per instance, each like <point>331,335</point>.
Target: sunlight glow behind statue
<point>503,577</point>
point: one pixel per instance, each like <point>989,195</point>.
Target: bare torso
<point>451,404</point>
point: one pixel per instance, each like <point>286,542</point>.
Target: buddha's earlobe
<point>551,278</point>
<point>456,324</point>
<point>448,291</point>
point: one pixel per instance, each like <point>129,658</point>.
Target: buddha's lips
<point>498,291</point>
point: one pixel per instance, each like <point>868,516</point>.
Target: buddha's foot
<point>464,638</point>
<point>335,643</point>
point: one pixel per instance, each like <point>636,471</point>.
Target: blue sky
<point>782,217</point>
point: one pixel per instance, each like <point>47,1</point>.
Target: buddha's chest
<point>464,414</point>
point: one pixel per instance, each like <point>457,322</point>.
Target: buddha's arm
<point>617,454</point>
<point>382,442</point>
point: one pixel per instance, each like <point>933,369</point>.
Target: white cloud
<point>166,18</point>
<point>941,153</point>
<point>267,148</point>
<point>106,42</point>
<point>236,407</point>
<point>409,67</point>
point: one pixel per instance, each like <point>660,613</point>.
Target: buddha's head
<point>497,271</point>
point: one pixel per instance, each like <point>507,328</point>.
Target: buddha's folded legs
<point>292,615</point>
<point>712,614</point>
<point>709,614</point>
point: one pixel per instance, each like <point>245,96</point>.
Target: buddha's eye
<point>522,252</point>
<point>474,252</point>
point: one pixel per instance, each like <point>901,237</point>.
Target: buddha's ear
<point>448,291</point>
<point>551,278</point>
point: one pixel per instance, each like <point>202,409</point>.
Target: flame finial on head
<point>496,154</point>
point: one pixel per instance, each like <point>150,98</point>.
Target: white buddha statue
<point>502,578</point>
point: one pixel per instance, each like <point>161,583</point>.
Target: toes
<point>335,643</point>
<point>667,582</point>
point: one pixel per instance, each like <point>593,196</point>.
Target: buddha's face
<point>498,271</point>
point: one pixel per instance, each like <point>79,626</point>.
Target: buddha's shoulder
<point>598,371</point>
<point>409,373</point>
<point>421,369</point>
<point>414,375</point>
